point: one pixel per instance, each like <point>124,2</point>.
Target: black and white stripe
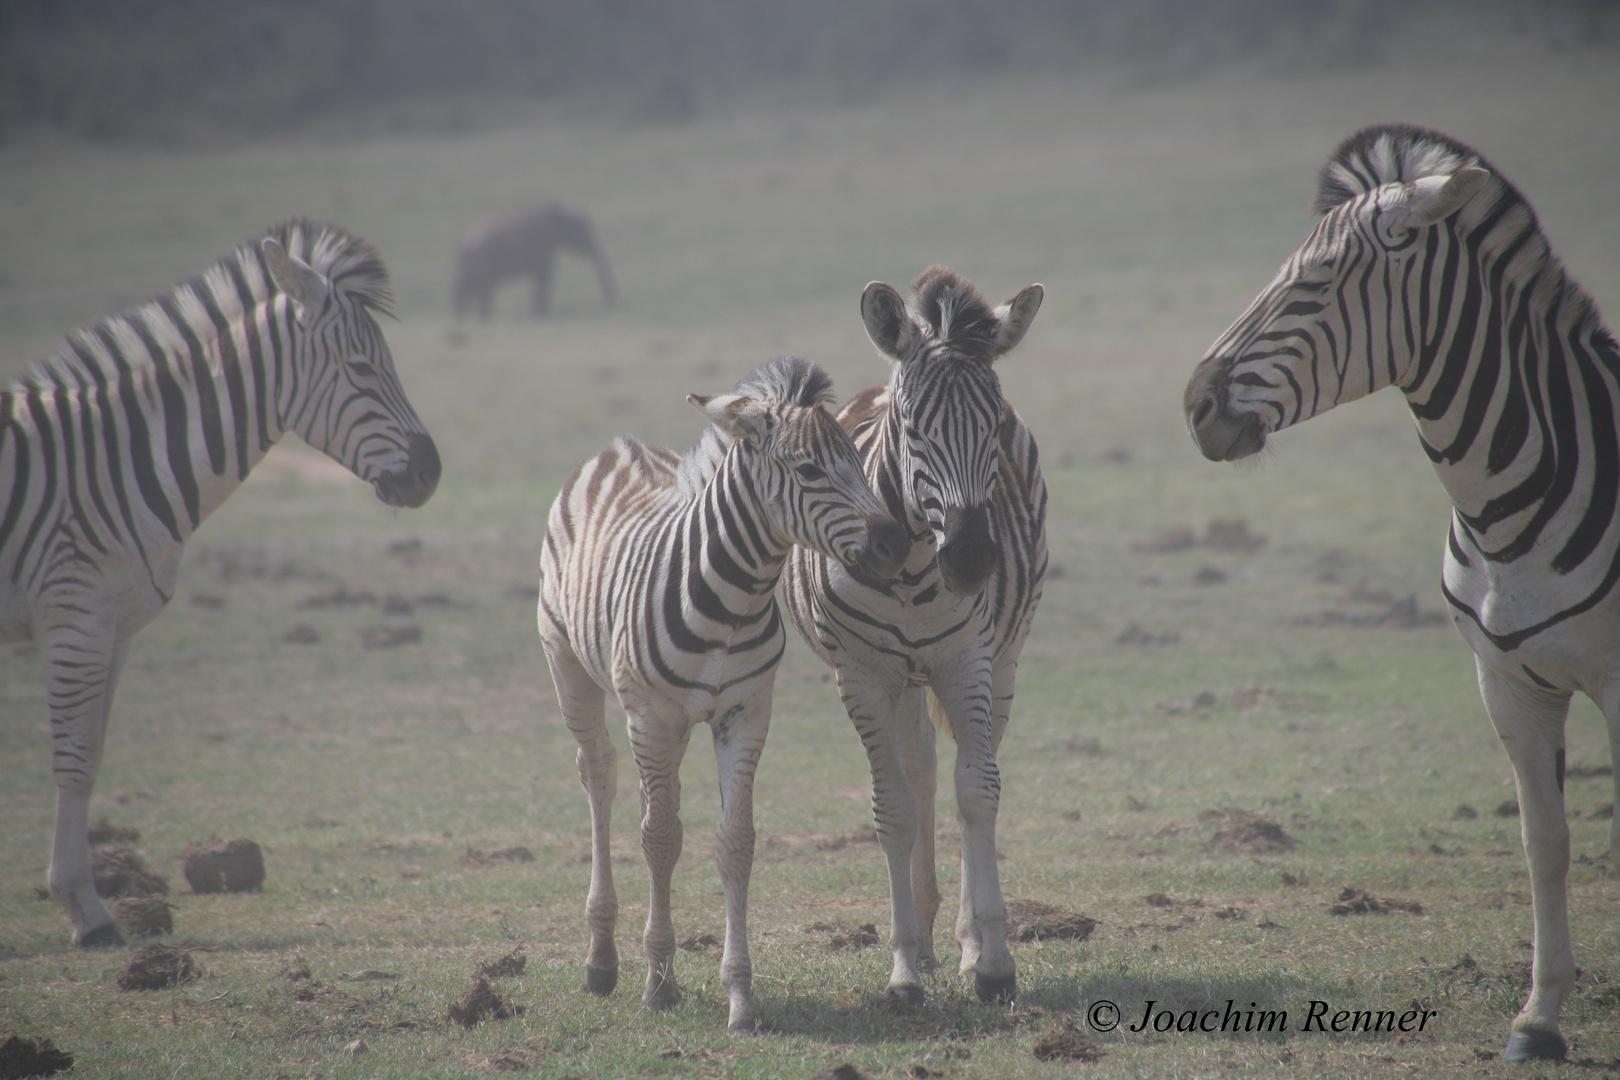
<point>657,583</point>
<point>114,450</point>
<point>1430,272</point>
<point>953,461</point>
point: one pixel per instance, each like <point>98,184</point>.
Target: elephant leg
<point>871,707</point>
<point>981,925</point>
<point>920,760</point>
<point>659,743</point>
<point>739,738</point>
<point>1530,722</point>
<point>81,671</point>
<point>583,706</point>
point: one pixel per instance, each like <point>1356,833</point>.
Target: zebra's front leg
<point>920,760</point>
<point>1530,723</point>
<point>81,671</point>
<point>871,706</point>
<point>981,923</point>
<point>583,706</point>
<point>659,743</point>
<point>739,738</point>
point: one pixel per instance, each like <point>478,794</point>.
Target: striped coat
<point>956,465</point>
<point>657,583</point>
<point>113,451</point>
<point>1429,272</point>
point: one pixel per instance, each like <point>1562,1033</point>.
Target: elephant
<point>524,243</point>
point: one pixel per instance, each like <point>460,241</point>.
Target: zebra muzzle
<point>968,555</point>
<point>886,549</point>
<point>411,486</point>
<point>1221,434</point>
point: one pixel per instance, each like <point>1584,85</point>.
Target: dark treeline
<point>185,69</point>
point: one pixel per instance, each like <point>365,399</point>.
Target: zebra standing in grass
<point>954,463</point>
<point>1429,272</point>
<point>657,582</point>
<point>114,450</point>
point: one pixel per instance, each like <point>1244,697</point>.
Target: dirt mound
<point>509,966</point>
<point>1354,901</point>
<point>118,871</point>
<point>843,937</point>
<point>144,916</point>
<point>840,1072</point>
<point>1031,920</point>
<point>21,1056</point>
<point>1067,1042</point>
<point>216,865</point>
<point>388,637</point>
<point>1246,833</point>
<point>156,967</point>
<point>474,857</point>
<point>701,943</point>
<point>481,1002</point>
<point>105,832</point>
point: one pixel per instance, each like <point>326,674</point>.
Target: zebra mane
<point>956,311</point>
<point>786,380</point>
<point>1389,153</point>
<point>229,285</point>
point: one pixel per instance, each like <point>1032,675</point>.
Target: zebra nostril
<point>1201,413</point>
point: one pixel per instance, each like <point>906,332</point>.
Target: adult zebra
<point>1429,272</point>
<point>114,450</point>
<point>954,463</point>
<point>657,581</point>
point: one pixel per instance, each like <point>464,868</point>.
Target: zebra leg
<point>1530,723</point>
<point>81,671</point>
<point>739,737</point>
<point>659,744</point>
<point>918,756</point>
<point>583,706</point>
<point>981,924</point>
<point>871,706</point>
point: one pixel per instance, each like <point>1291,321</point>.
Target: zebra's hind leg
<point>583,706</point>
<point>659,743</point>
<point>81,671</point>
<point>739,737</point>
<point>920,761</point>
<point>1530,722</point>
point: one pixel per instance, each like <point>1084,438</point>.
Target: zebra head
<point>947,408</point>
<point>340,392</point>
<point>1349,312</point>
<point>804,470</point>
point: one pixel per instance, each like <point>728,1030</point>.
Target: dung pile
<point>22,1056</point>
<point>144,916</point>
<point>481,1002</point>
<point>215,866</point>
<point>1031,920</point>
<point>157,967</point>
<point>118,871</point>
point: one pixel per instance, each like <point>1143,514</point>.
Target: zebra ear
<point>1435,198</point>
<point>735,414</point>
<point>1016,315</point>
<point>888,323</point>
<point>294,276</point>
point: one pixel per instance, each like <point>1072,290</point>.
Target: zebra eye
<point>810,472</point>
<point>362,368</point>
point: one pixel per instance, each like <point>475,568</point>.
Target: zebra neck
<point>885,472</point>
<point>733,556</point>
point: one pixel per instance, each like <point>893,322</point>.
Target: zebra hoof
<point>744,1025</point>
<point>1535,1046</point>
<point>666,995</point>
<point>601,981</point>
<point>103,937</point>
<point>995,989</point>
<point>909,995</point>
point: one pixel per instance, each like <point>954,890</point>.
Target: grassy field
<point>1151,212</point>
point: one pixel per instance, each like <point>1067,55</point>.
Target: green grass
<point>1151,214</point>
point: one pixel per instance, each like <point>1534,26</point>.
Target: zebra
<point>1428,271</point>
<point>115,449</point>
<point>657,582</point>
<point>957,466</point>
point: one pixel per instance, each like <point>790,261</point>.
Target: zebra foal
<point>1429,272</point>
<point>959,469</point>
<point>114,450</point>
<point>657,582</point>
